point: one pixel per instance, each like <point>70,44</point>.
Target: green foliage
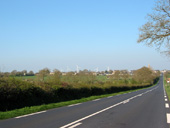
<point>144,75</point>
<point>43,73</point>
<point>167,85</point>
<point>32,109</point>
<point>17,93</point>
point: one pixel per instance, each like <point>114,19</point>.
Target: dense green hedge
<point>17,93</point>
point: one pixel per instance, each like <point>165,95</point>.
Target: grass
<point>167,87</point>
<point>26,77</point>
<point>101,78</point>
<point>33,109</point>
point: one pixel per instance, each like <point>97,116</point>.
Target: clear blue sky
<point>35,34</point>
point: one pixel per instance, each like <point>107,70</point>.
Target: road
<point>145,108</point>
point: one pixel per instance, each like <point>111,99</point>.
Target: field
<point>25,77</point>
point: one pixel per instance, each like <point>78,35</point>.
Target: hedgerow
<point>17,93</point>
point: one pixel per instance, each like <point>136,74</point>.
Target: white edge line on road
<point>168,118</point>
<point>110,97</point>
<point>75,125</point>
<point>96,100</point>
<point>167,105</point>
<point>30,114</point>
<point>166,100</point>
<point>74,104</point>
<point>86,117</point>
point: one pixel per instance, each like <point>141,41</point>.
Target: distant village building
<point>51,73</point>
<point>156,71</point>
<point>64,73</point>
<point>131,72</point>
<point>168,80</point>
<point>163,71</point>
<point>95,73</point>
<point>149,66</point>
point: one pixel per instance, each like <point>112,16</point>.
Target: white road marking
<point>166,100</point>
<point>86,117</point>
<point>75,125</point>
<point>96,100</point>
<point>140,95</point>
<point>30,114</point>
<point>90,115</point>
<point>166,105</point>
<point>74,104</point>
<point>110,97</point>
<point>165,96</point>
<point>168,118</point>
<point>126,101</point>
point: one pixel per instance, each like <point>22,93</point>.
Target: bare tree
<point>156,32</point>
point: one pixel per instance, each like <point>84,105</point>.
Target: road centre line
<point>75,125</point>
<point>126,101</point>
<point>86,117</point>
<point>140,94</point>
<point>30,114</point>
<point>90,115</point>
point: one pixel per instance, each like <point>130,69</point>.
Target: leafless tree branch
<point>156,32</point>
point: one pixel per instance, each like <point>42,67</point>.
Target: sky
<point>60,34</point>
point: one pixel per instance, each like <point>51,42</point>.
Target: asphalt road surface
<point>147,108</point>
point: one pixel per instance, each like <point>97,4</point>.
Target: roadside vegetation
<point>33,109</point>
<point>166,84</point>
<point>20,92</point>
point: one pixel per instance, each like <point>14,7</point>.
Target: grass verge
<point>33,109</point>
<point>167,88</point>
